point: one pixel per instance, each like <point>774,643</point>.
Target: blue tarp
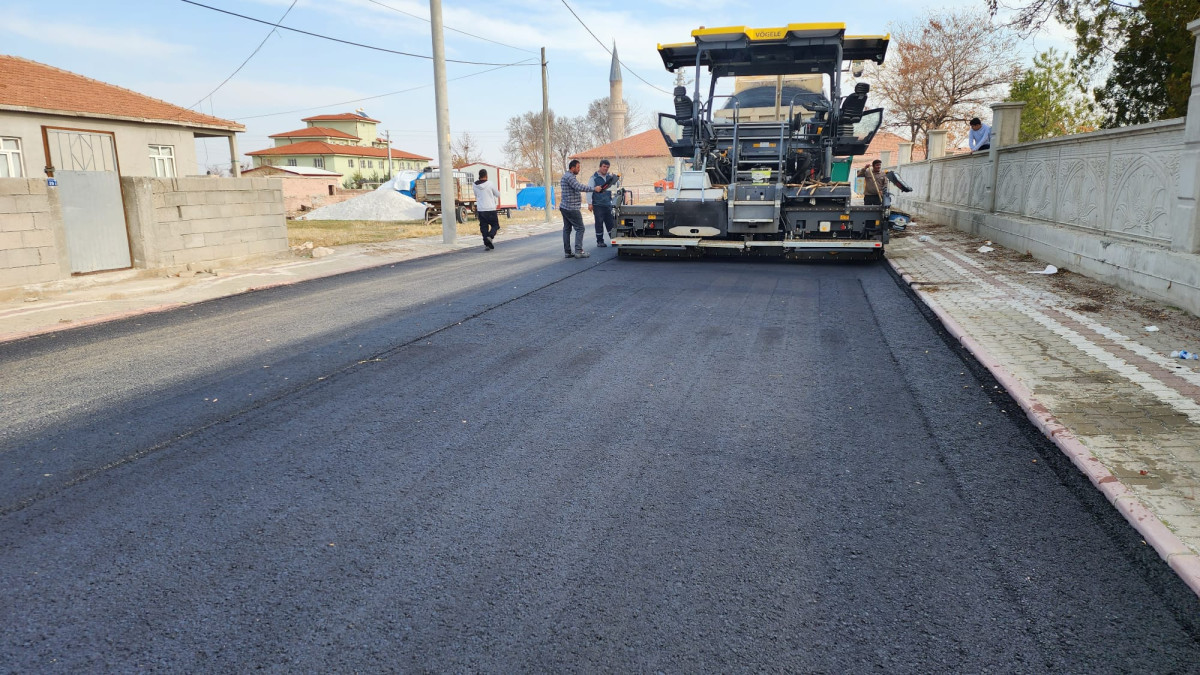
<point>533,197</point>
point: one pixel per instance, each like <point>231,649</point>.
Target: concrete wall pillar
<point>1185,216</point>
<point>1006,123</point>
<point>935,148</point>
<point>235,162</point>
<point>885,156</point>
<point>905,154</point>
<point>937,143</point>
<point>1006,127</point>
<point>138,194</point>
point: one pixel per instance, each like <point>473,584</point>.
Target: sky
<point>181,52</point>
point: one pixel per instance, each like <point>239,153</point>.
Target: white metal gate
<point>89,189</point>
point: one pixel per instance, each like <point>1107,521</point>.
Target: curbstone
<point>1180,558</point>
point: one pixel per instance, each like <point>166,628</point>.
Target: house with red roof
<point>641,160</point>
<point>55,119</point>
<point>345,143</point>
<point>93,177</point>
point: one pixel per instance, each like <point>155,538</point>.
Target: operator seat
<point>685,112</point>
<point>852,109</point>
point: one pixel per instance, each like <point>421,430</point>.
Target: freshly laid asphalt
<point>513,462</point>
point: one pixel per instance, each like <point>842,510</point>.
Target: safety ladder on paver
<point>759,153</point>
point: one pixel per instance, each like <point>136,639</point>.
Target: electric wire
<point>339,40</point>
<point>239,68</point>
<point>390,93</point>
<point>589,30</point>
<point>477,37</point>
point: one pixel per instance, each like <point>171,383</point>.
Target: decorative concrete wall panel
<point>1103,204</point>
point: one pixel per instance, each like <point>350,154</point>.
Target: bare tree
<point>594,123</point>
<point>523,149</point>
<point>944,68</point>
<point>465,150</point>
<point>568,136</point>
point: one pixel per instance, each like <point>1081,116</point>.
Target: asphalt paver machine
<point>767,166</point>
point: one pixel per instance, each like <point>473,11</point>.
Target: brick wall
<point>311,192</point>
<point>30,246</point>
<point>182,221</point>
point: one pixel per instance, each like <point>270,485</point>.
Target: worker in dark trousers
<point>487,201</point>
<point>601,203</point>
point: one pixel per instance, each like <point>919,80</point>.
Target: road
<point>512,462</point>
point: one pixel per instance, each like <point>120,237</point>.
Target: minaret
<point>616,100</point>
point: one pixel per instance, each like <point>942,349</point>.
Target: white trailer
<point>505,180</point>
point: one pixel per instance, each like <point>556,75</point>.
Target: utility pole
<point>441,99</point>
<point>387,136</point>
<point>546,135</point>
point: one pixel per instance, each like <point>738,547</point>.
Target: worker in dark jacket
<point>602,206</point>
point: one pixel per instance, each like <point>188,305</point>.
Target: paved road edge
<point>116,316</point>
<point>1169,547</point>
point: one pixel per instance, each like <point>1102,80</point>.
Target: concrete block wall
<point>187,221</point>
<point>31,245</point>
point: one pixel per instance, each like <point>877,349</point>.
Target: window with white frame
<point>163,159</point>
<point>319,162</point>
<point>291,161</point>
<point>351,162</point>
<point>10,158</point>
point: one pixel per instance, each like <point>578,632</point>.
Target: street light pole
<point>546,135</point>
<point>441,99</point>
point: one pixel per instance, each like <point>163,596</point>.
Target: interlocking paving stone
<point>1082,350</point>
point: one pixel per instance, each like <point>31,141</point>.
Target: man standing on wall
<point>487,200</point>
<point>602,206</point>
<point>569,189</point>
<point>980,136</point>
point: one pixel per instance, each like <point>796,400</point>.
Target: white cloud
<point>124,42</point>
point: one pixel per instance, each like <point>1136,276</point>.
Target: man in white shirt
<point>487,201</point>
<point>980,136</point>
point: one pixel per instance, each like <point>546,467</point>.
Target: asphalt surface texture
<point>509,461</point>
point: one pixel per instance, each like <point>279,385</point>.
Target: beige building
<point>345,143</point>
<point>776,92</point>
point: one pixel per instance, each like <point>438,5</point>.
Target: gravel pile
<point>377,205</point>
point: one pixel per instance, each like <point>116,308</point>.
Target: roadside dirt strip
<point>1089,365</point>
